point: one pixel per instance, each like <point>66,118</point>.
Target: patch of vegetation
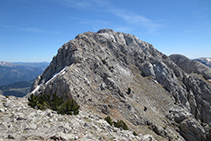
<point>134,133</point>
<point>104,62</point>
<point>128,90</point>
<point>69,107</point>
<point>55,103</point>
<point>109,120</point>
<point>3,100</point>
<point>118,124</point>
<point>145,108</point>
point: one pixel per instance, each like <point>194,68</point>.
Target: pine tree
<point>55,103</point>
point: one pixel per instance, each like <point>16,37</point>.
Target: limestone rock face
<point>117,74</point>
<point>188,125</point>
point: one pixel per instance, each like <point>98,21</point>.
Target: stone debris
<point>18,121</point>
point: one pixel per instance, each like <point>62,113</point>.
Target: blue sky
<point>33,30</point>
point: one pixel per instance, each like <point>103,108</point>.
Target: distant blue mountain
<point>11,72</point>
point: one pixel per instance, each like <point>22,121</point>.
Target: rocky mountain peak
<point>106,31</point>
<point>117,74</point>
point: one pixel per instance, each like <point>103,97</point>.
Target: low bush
<point>69,107</point>
<point>118,124</point>
<point>134,133</point>
<point>104,62</point>
<point>55,103</point>
<point>128,90</point>
<point>109,120</point>
<point>145,108</point>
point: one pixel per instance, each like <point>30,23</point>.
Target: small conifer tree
<point>55,103</point>
<point>120,124</point>
<point>109,120</point>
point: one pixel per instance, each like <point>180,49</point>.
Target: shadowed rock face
<point>191,66</point>
<point>97,69</point>
<point>204,60</point>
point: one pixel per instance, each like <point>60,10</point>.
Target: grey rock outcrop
<point>97,69</point>
<point>188,125</point>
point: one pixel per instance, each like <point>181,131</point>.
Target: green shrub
<point>145,108</point>
<point>134,133</point>
<point>120,124</point>
<point>104,62</point>
<point>69,107</point>
<point>33,100</point>
<point>109,120</point>
<point>55,103</point>
<point>128,90</point>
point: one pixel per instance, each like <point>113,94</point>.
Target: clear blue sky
<point>33,30</point>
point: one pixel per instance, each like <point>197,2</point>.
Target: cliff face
<point>117,74</point>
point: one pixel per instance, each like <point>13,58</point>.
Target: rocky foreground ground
<point>18,121</point>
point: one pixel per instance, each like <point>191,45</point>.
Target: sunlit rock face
<point>117,74</point>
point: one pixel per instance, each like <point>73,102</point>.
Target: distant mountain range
<point>204,60</point>
<point>16,78</point>
<point>14,72</point>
